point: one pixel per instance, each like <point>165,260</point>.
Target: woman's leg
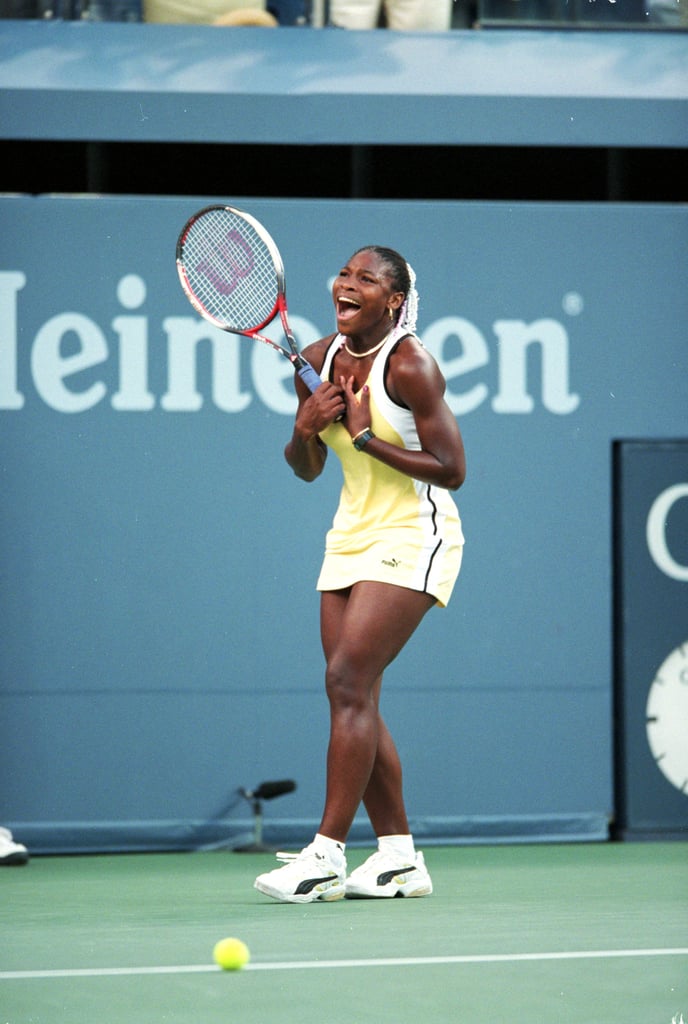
<point>383,798</point>
<point>363,629</point>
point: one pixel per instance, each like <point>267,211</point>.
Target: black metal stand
<point>266,791</point>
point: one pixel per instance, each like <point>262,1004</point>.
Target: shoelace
<point>286,858</point>
<point>308,851</point>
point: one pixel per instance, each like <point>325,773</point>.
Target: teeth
<point>348,302</point>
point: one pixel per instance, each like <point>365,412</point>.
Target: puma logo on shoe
<point>309,884</point>
<point>386,877</point>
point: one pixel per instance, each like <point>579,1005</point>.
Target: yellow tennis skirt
<point>395,556</point>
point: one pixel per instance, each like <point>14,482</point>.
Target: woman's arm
<point>305,452</point>
<point>414,380</point>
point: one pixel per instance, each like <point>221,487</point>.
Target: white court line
<point>299,965</point>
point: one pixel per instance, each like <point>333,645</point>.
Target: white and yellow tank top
<point>388,527</point>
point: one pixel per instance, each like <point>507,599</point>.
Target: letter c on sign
<point>656,532</point>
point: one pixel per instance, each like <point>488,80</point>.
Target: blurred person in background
<point>401,15</point>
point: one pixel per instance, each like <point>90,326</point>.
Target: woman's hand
<point>357,406</point>
<point>415,382</point>
<point>319,409</point>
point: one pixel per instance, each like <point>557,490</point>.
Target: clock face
<point>667,718</point>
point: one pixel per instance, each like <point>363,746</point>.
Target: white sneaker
<point>11,853</point>
<point>384,875</point>
<point>304,878</point>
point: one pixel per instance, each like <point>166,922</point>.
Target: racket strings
<point>230,270</point>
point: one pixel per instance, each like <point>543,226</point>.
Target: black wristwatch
<point>361,440</point>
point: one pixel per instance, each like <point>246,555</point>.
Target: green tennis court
<point>587,934</point>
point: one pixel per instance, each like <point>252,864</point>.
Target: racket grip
<point>311,379</point>
<point>308,375</point>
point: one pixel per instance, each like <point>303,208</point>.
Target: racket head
<point>231,269</point>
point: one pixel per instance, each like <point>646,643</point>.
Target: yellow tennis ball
<point>231,954</point>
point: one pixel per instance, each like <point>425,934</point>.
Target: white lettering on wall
<point>474,355</point>
<point>70,343</point>
<point>133,394</point>
<point>515,338</point>
<point>184,335</point>
<point>10,284</point>
<point>655,532</point>
<point>51,369</point>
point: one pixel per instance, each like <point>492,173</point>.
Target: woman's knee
<point>347,685</point>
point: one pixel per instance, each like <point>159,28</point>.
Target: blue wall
<point>186,83</point>
<point>158,619</point>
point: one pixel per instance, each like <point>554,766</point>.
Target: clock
<point>667,718</point>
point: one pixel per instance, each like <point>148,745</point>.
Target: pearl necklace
<point>370,352</point>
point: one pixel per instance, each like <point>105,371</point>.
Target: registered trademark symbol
<point>572,303</point>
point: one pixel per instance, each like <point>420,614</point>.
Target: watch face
<point>667,718</point>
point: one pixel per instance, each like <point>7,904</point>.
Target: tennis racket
<point>233,275</point>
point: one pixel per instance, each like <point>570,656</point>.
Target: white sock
<point>398,846</point>
<point>332,847</point>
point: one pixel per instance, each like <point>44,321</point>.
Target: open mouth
<point>347,308</point>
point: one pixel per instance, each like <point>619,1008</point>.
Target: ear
<point>396,300</point>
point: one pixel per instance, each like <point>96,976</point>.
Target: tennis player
<point>394,551</point>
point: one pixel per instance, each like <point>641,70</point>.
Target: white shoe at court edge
<point>305,877</point>
<point>384,875</point>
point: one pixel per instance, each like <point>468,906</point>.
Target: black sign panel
<point>651,636</point>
